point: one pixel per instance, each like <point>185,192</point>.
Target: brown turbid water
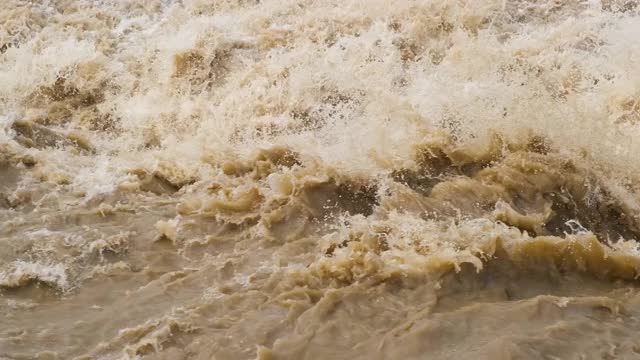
<point>299,179</point>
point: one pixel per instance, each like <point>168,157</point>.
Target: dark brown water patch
<point>332,198</point>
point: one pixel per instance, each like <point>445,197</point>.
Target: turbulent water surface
<point>300,179</point>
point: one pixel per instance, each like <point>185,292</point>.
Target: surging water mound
<point>451,256</point>
<point>319,179</point>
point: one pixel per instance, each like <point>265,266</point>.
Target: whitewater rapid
<point>351,179</point>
